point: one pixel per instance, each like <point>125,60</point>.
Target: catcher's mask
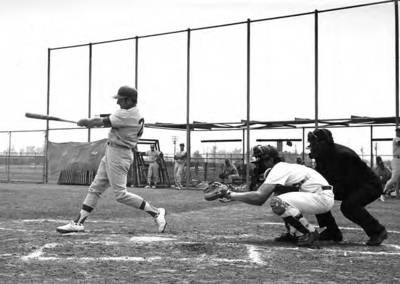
<point>264,152</point>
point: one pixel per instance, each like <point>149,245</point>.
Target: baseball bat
<point>47,117</point>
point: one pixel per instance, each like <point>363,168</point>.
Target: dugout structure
<point>247,124</point>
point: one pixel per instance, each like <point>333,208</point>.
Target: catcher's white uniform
<point>315,196</point>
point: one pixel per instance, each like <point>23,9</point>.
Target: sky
<point>356,69</point>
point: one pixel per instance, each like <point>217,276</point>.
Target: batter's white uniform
<point>180,159</point>
<point>126,129</point>
<point>311,198</point>
<point>153,166</point>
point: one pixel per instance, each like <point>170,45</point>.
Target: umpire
<point>354,183</point>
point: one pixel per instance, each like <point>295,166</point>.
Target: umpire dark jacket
<point>345,171</point>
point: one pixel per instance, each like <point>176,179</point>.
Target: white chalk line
<point>254,255</point>
<point>63,221</point>
<point>38,256</point>
<point>336,251</point>
<point>148,239</point>
<point>343,228</point>
<point>22,230</point>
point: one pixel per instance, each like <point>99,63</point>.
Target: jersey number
<point>141,127</point>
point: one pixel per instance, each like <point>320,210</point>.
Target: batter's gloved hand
<point>217,190</point>
<point>83,122</point>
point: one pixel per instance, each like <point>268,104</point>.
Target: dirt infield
<point>204,242</point>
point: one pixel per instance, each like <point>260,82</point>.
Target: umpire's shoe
<point>376,240</point>
<point>307,240</point>
<point>286,238</point>
<point>160,220</point>
<point>331,235</point>
<point>71,227</point>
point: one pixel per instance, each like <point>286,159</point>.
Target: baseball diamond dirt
<point>204,242</point>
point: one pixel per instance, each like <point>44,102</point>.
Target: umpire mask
<point>321,141</point>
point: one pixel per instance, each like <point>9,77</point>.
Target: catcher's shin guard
<point>295,223</point>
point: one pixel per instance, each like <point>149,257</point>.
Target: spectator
<point>152,173</point>
<point>383,172</point>
<point>395,164</point>
<point>229,171</point>
<point>180,159</point>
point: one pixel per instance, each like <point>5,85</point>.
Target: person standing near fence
<point>395,163</point>
<point>180,159</point>
<point>383,172</point>
<point>126,128</point>
<point>152,173</point>
<point>229,171</point>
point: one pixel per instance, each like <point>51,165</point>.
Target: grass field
<point>205,242</point>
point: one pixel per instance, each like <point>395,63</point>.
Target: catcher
<point>296,190</point>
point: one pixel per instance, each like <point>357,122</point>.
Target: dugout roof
<point>353,121</point>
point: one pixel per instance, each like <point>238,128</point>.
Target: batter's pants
<point>113,171</point>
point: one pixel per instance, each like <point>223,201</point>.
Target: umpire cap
<point>126,92</point>
<point>320,134</point>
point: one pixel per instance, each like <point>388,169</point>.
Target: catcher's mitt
<point>216,190</point>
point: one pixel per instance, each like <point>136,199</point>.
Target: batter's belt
<point>109,143</point>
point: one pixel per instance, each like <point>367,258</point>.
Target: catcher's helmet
<point>264,152</point>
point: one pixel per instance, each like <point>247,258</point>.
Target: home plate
<point>149,239</point>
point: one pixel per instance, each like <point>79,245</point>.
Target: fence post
<point>9,156</point>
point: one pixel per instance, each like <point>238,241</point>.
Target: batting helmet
<point>126,92</point>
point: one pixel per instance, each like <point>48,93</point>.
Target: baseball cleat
<point>307,240</point>
<point>376,240</point>
<point>160,220</point>
<point>331,235</point>
<point>71,227</point>
<point>286,238</point>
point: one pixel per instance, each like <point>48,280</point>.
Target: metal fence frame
<point>248,23</point>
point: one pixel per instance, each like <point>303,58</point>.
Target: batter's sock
<point>149,208</point>
<point>83,214</point>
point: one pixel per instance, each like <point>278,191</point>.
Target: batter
<point>126,128</point>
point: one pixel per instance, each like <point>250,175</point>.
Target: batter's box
<point>145,249</point>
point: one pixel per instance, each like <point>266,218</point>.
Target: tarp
<point>75,161</point>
